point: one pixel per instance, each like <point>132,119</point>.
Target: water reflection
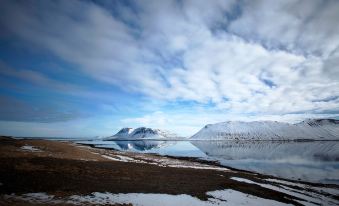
<point>172,148</point>
<point>266,150</point>
<point>309,161</point>
<point>142,145</point>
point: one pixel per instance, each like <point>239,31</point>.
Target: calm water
<point>307,161</point>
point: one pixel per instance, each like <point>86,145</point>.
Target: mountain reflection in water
<point>316,161</point>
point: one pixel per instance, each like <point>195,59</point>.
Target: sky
<point>88,68</point>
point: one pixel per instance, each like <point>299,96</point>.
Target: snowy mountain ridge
<point>142,133</point>
<point>315,129</point>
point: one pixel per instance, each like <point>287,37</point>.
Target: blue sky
<point>87,68</point>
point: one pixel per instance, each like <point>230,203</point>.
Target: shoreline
<point>65,169</point>
<point>215,163</point>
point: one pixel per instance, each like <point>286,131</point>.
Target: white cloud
<point>307,27</point>
<point>275,58</point>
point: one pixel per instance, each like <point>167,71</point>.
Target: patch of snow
<point>308,198</point>
<point>331,191</point>
<point>82,159</point>
<point>232,197</point>
<point>286,182</point>
<point>124,158</point>
<point>121,158</point>
<point>203,167</point>
<point>37,198</point>
<point>135,199</point>
<point>30,148</point>
<point>112,158</point>
<point>239,179</point>
<point>164,162</point>
<point>221,197</point>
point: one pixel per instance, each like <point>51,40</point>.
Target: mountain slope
<point>141,133</point>
<point>321,127</point>
<point>270,130</point>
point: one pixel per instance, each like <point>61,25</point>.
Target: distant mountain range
<point>310,129</point>
<point>315,129</point>
<point>142,133</point>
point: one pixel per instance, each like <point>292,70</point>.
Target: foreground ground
<point>41,172</point>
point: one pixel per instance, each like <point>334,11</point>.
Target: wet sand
<point>64,169</point>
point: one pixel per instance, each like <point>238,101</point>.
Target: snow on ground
<point>37,198</point>
<point>163,162</point>
<point>331,191</point>
<point>233,197</point>
<point>30,148</point>
<point>220,197</point>
<point>308,197</point>
<point>304,194</point>
<point>243,180</point>
<point>168,162</point>
<point>119,158</point>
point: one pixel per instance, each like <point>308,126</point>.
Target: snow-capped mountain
<point>124,133</point>
<point>321,127</point>
<point>142,133</point>
<point>317,129</point>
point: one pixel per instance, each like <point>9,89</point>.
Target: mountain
<point>142,133</point>
<point>316,129</point>
<point>124,133</point>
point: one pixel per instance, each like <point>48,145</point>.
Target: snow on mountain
<point>142,133</point>
<point>318,129</point>
<point>124,133</point>
<point>327,128</point>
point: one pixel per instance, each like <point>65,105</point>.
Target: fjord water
<point>315,161</point>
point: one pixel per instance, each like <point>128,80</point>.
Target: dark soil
<point>61,176</point>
